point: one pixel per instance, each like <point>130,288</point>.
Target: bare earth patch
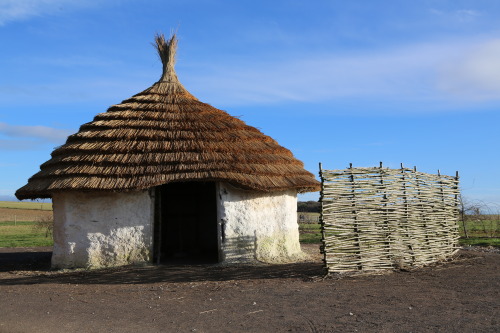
<point>10,214</point>
<point>459,296</point>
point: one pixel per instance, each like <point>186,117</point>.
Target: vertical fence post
<point>457,209</point>
<point>386,219</point>
<point>421,210</point>
<point>321,221</point>
<point>357,243</point>
<point>409,226</point>
<point>448,235</point>
<point>322,225</point>
<point>460,204</point>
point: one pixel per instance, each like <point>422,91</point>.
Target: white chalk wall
<point>99,230</point>
<point>94,230</point>
<point>257,226</point>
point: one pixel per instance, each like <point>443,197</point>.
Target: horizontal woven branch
<point>379,218</point>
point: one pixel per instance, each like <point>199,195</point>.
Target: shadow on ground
<point>25,259</point>
<point>33,267</point>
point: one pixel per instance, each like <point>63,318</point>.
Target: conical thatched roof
<point>161,135</point>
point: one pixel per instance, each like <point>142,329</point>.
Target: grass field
<point>481,232</point>
<point>23,234</point>
<point>487,227</point>
<point>18,227</point>
<point>26,205</point>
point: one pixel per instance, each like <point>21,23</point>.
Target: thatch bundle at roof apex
<point>164,134</point>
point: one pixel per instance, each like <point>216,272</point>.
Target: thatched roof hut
<point>162,135</point>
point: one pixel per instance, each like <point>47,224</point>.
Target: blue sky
<point>337,82</point>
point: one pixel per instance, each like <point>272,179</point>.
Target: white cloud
<point>474,73</point>
<point>44,133</point>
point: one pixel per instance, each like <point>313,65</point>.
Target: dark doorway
<point>186,223</point>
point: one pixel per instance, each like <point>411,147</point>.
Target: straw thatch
<point>164,134</point>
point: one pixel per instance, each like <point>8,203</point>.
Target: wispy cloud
<point>73,61</point>
<point>8,164</point>
<point>19,145</point>
<point>453,74</point>
<point>419,72</point>
<point>73,90</point>
<point>43,133</point>
<point>467,15</point>
<point>8,196</point>
<point>16,10</point>
<point>460,15</point>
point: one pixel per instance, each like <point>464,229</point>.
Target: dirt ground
<point>462,295</point>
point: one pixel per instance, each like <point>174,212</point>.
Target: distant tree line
<point>308,207</point>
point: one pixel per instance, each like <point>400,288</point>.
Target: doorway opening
<point>186,223</point>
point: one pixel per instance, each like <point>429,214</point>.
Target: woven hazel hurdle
<point>378,218</point>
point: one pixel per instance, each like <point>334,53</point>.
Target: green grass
<point>26,205</point>
<point>479,234</point>
<point>22,234</point>
<point>309,233</point>
<point>18,223</point>
<point>483,230</point>
<point>309,227</point>
<point>481,227</point>
<point>480,241</point>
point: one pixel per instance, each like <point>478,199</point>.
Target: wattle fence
<point>378,218</point>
